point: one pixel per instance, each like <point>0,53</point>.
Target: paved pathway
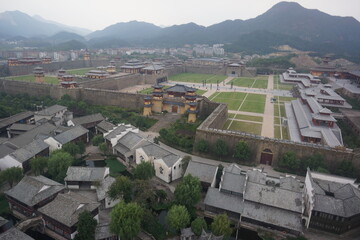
<point>268,120</point>
<point>246,113</point>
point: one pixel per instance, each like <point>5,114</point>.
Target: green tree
<point>178,217</point>
<point>126,220</point>
<point>188,191</point>
<point>144,171</point>
<point>313,162</point>
<point>58,164</point>
<point>38,165</point>
<point>103,147</point>
<point>97,140</point>
<point>346,169</point>
<point>198,225</point>
<point>11,175</point>
<point>202,146</point>
<point>82,147</point>
<point>221,148</point>
<point>221,225</point>
<point>86,226</point>
<point>289,161</point>
<point>71,148</point>
<point>242,151</point>
<point>121,188</point>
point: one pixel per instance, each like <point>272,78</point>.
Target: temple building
<point>176,99</point>
<point>111,69</point>
<point>132,66</point>
<point>46,60</point>
<point>39,74</point>
<point>153,70</point>
<point>96,74</point>
<point>86,56</point>
<point>61,73</point>
<point>67,81</point>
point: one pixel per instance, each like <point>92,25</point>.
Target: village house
<point>57,114</point>
<point>113,135</point>
<point>205,172</point>
<point>127,144</point>
<point>89,121</point>
<point>30,194</point>
<point>104,127</point>
<point>74,135</point>
<point>14,233</point>
<point>62,214</point>
<point>22,118</point>
<point>168,166</point>
<point>102,232</point>
<point>19,128</point>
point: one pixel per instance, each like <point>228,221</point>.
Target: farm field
<point>31,78</point>
<point>197,78</point>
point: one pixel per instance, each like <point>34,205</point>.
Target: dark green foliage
<point>11,175</point>
<point>273,62</point>
<point>202,146</point>
<point>198,225</point>
<point>103,147</point>
<point>188,191</point>
<point>313,162</point>
<point>144,171</point>
<point>346,169</point>
<point>150,224</point>
<point>97,140</point>
<point>289,161</point>
<point>126,220</point>
<point>58,164</point>
<point>221,225</point>
<point>86,226</point>
<point>69,45</point>
<point>71,148</point>
<point>180,135</point>
<point>220,149</point>
<point>121,188</point>
<point>178,217</point>
<point>350,138</point>
<point>242,151</point>
<point>38,165</point>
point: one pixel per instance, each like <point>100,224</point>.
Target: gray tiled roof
<point>5,150</point>
<point>101,191</point>
<point>130,140</point>
<point>65,208</point>
<point>98,117</point>
<point>49,111</point>
<point>14,233</point>
<point>32,190</point>
<point>102,231</point>
<point>105,125</point>
<point>21,127</point>
<point>26,138</point>
<point>153,67</point>
<point>272,215</point>
<point>233,182</point>
<point>85,174</point>
<point>117,131</point>
<point>180,88</point>
<point>215,198</point>
<point>256,176</point>
<point>158,152</point>
<point>273,196</point>
<point>15,118</point>
<point>290,183</point>
<point>205,172</point>
<point>71,134</point>
<point>3,221</point>
<point>30,150</point>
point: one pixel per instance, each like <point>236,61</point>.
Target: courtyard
<point>31,78</point>
<point>251,82</point>
<point>197,78</point>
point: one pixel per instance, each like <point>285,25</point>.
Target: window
<point>174,167</point>
<point>161,170</point>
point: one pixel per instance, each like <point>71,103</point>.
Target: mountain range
<point>285,23</point>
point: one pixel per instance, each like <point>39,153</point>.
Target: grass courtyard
<point>254,128</point>
<point>238,101</point>
<point>280,86</point>
<point>80,71</point>
<point>255,82</point>
<point>197,78</point>
<point>31,78</point>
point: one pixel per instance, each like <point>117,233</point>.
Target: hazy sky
<point>98,14</point>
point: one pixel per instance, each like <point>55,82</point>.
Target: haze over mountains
<point>285,23</point>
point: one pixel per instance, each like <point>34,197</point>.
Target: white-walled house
<point>75,134</point>
<point>54,112</point>
<point>112,137</point>
<point>168,166</point>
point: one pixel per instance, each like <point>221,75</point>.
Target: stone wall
<point>55,66</point>
<point>203,69</point>
<point>211,130</point>
<point>89,95</point>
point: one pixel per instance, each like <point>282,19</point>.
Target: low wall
<point>210,130</point>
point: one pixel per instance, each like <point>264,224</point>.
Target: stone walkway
<point>268,120</point>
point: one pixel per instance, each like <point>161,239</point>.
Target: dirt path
<point>164,121</point>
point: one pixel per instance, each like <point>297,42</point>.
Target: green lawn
<point>146,91</point>
<point>282,110</point>
<point>246,117</point>
<point>285,99</point>
<point>200,92</point>
<point>31,78</point>
<point>80,71</point>
<point>277,133</point>
<point>115,166</point>
<point>253,103</point>
<point>255,82</point>
<point>254,128</point>
<point>197,78</point>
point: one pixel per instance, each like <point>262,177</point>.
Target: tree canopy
<point>221,225</point>
<point>122,187</point>
<point>202,146</point>
<point>144,171</point>
<point>221,148</point>
<point>71,148</point>
<point>289,161</point>
<point>242,151</point>
<point>11,175</point>
<point>58,164</point>
<point>38,165</point>
<point>86,226</point>
<point>198,225</point>
<point>188,191</point>
<point>126,220</point>
<point>178,217</point>
<point>97,140</point>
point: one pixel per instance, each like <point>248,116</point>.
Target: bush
<point>97,140</point>
<point>198,225</point>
